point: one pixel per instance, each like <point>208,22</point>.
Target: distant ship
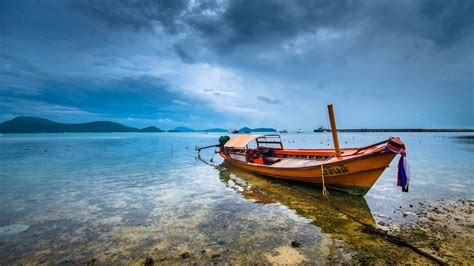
<point>284,131</point>
<point>300,131</point>
<point>321,129</point>
<point>234,131</point>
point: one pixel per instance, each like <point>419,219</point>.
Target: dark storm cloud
<point>18,75</point>
<point>268,22</point>
<point>185,54</point>
<point>448,21</point>
<point>227,25</point>
<point>268,100</point>
<point>135,15</point>
<point>248,28</point>
<point>114,98</point>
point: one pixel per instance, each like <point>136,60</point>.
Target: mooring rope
<point>325,191</point>
<point>211,161</point>
<point>382,233</point>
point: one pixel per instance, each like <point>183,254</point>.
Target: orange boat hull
<point>354,175</point>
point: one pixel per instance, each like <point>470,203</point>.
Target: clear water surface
<point>126,196</point>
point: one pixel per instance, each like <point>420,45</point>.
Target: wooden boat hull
<point>354,175</point>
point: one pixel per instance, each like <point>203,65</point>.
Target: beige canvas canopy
<point>240,141</point>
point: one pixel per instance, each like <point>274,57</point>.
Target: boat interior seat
<point>271,160</point>
<point>289,162</point>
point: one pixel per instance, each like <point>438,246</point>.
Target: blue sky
<point>239,63</point>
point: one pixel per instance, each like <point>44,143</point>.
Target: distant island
<point>187,130</point>
<point>215,130</point>
<point>260,129</point>
<point>29,124</point>
<point>182,129</point>
<point>151,129</point>
<point>242,130</point>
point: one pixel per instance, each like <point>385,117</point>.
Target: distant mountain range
<point>28,124</point>
<point>183,129</point>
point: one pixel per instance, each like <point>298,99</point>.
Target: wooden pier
<point>433,130</point>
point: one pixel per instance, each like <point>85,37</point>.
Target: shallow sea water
<point>122,197</point>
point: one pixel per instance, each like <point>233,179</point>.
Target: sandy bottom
<point>285,255</point>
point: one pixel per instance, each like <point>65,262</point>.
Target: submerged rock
<point>186,255</point>
<point>91,262</point>
<point>295,244</point>
<point>148,261</point>
<point>13,229</point>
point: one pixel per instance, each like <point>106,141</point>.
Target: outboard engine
<point>223,140</point>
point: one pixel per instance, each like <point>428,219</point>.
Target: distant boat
<point>234,131</point>
<point>202,130</point>
<point>284,131</point>
<point>321,129</point>
<point>299,131</point>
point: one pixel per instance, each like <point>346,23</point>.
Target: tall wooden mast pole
<point>334,130</point>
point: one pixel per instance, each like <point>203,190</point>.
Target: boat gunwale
<point>355,158</point>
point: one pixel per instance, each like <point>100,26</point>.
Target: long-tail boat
<point>352,170</point>
<point>355,170</point>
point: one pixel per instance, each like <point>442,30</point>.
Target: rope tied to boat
<point>325,191</point>
<point>371,229</point>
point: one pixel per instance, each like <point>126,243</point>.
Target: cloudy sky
<point>239,63</point>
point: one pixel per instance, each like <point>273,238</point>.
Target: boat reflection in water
<point>342,219</point>
<point>308,201</point>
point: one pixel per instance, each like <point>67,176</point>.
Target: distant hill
<point>29,124</point>
<point>151,129</point>
<point>183,129</point>
<point>260,129</point>
<point>188,130</point>
<point>264,129</point>
<point>245,130</point>
<point>215,130</point>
